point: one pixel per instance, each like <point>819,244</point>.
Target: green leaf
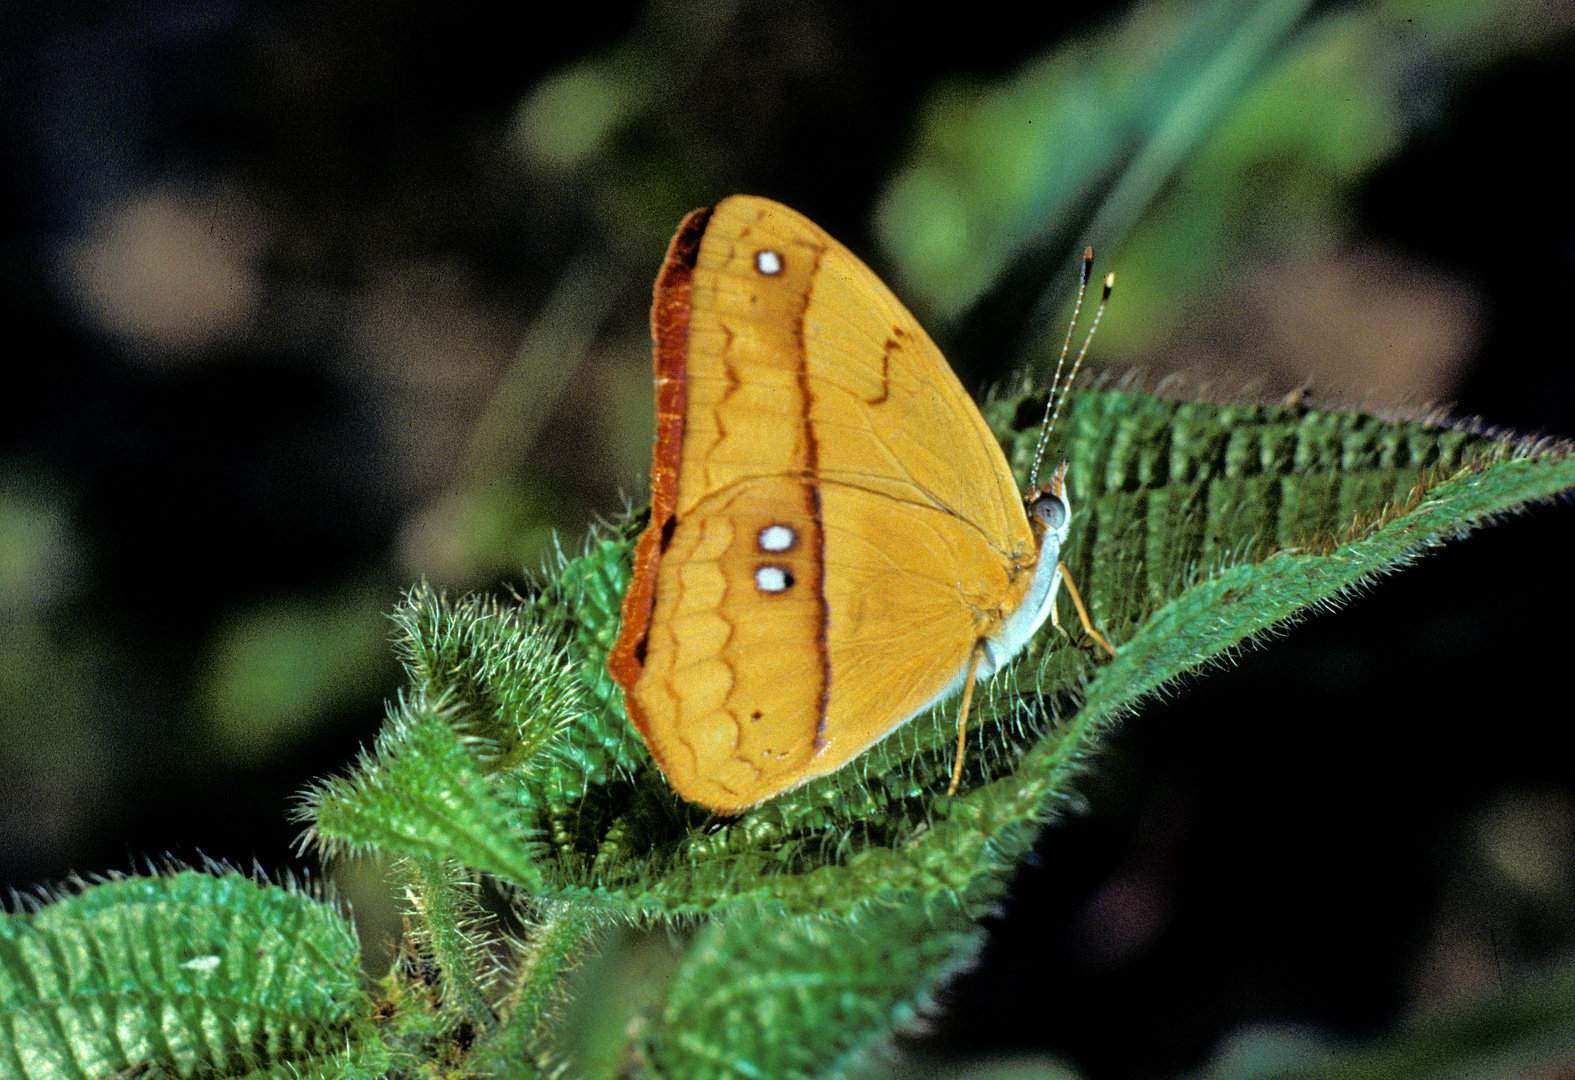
<point>760,996</point>
<point>182,975</point>
<point>422,793</point>
<point>997,165</point>
<point>1197,526</point>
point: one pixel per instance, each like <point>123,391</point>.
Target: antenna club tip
<point>1110,280</point>
<point>1088,253</point>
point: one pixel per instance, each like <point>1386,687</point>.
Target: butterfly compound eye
<point>1050,509</point>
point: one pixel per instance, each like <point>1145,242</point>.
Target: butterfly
<point>836,540</point>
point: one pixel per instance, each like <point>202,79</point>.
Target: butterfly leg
<point>1082,612</point>
<point>962,718</point>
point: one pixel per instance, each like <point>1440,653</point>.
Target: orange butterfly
<point>836,541</point>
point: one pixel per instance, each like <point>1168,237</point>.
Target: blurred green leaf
<point>280,667</point>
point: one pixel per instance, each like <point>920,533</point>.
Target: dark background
<point>308,302</point>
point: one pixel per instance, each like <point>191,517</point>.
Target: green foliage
<point>831,910</point>
<point>536,845</point>
<point>1202,132</point>
<point>766,996</point>
<point>184,975</point>
<point>276,668</point>
<point>819,920</point>
<point>1198,526</point>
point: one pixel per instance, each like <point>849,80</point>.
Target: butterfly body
<point>835,532</point>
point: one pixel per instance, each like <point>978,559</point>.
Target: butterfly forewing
<point>843,526</point>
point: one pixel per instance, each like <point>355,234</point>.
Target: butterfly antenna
<point>1054,402</point>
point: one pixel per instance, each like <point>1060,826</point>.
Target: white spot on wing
<point>777,538</point>
<point>768,262</point>
<point>772,579</point>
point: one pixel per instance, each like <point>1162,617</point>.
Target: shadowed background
<point>308,302</point>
